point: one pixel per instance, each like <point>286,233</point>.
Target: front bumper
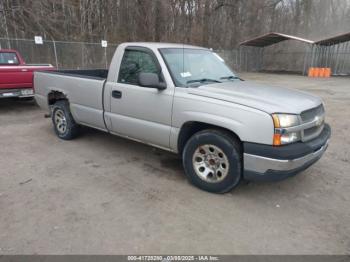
<point>8,93</point>
<point>268,163</point>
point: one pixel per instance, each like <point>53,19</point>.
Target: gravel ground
<point>101,194</point>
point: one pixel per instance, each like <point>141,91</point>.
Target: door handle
<point>117,94</point>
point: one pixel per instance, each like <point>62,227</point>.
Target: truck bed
<point>85,73</point>
<point>83,89</point>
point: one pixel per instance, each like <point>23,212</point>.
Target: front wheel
<point>212,161</point>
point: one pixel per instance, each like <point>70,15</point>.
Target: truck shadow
<point>163,164</point>
<point>155,161</point>
<point>16,105</point>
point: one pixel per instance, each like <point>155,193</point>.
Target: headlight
<point>281,135</point>
<point>285,120</point>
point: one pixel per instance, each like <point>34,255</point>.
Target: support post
<point>55,51</point>
<point>106,57</point>
<point>306,58</point>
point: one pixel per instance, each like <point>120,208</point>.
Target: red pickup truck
<point>16,77</point>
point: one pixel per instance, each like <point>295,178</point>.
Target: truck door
<point>139,112</point>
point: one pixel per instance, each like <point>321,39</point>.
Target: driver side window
<point>133,63</point>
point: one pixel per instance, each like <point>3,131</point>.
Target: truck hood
<point>265,98</point>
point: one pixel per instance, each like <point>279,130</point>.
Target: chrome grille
<point>310,131</point>
<point>309,116</point>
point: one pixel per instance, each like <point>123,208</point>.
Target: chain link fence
<point>61,54</point>
<point>81,55</point>
<point>84,55</point>
<point>289,58</point>
<point>278,58</point>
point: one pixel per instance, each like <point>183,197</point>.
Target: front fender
<point>249,124</point>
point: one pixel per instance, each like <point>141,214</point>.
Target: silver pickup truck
<point>185,99</point>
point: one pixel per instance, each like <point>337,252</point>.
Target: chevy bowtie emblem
<point>318,120</point>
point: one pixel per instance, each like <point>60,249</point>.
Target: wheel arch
<point>188,129</point>
<point>55,96</point>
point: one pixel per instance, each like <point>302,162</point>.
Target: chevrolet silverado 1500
<point>185,99</point>
<point>16,77</point>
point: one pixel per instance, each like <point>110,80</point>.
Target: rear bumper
<point>268,163</point>
<point>23,92</point>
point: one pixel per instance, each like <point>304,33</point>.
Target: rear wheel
<point>212,161</point>
<point>64,125</point>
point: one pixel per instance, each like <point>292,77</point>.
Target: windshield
<point>8,58</point>
<point>195,67</point>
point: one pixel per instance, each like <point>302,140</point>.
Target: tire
<point>64,125</point>
<point>212,160</point>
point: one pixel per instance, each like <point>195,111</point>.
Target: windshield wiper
<point>229,77</point>
<point>203,80</point>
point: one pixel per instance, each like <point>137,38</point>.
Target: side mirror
<point>151,80</point>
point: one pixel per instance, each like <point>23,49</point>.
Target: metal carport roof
<point>335,40</point>
<point>272,38</point>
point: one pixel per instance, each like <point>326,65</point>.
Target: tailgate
<point>18,76</point>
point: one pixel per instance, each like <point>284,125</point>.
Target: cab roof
<point>162,45</point>
<point>8,51</point>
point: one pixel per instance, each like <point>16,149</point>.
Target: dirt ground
<point>101,194</point>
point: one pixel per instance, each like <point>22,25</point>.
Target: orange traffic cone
<point>317,72</point>
<point>311,72</point>
<point>322,72</point>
